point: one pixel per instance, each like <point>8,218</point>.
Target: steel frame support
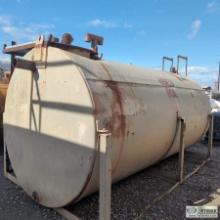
<point>105,175</point>
<point>181,122</point>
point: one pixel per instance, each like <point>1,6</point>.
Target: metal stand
<point>105,172</point>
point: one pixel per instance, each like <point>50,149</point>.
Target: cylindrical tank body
<point>51,119</point>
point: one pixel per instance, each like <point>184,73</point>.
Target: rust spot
<point>169,86</point>
<point>116,124</point>
<point>112,112</point>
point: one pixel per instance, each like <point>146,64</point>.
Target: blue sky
<point>135,31</point>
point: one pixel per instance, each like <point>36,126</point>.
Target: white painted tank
<point>50,122</point>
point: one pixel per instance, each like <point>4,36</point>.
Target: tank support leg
<point>210,137</point>
<point>105,171</point>
<point>181,148</point>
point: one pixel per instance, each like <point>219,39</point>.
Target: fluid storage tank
<point>50,122</point>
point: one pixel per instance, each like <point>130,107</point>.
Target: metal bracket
<point>95,40</point>
<point>12,59</point>
<point>40,52</point>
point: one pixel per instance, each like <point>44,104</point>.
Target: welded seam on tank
<point>96,140</point>
<point>143,84</point>
<point>122,138</point>
<point>178,112</point>
<point>172,142</point>
<point>125,82</point>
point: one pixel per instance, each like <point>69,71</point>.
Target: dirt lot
<point>132,195</point>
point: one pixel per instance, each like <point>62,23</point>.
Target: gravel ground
<point>131,196</point>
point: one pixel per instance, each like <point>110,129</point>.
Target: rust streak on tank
<point>117,124</point>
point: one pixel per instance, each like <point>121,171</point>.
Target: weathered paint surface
<point>138,106</point>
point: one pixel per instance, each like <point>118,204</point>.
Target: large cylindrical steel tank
<point>51,119</point>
